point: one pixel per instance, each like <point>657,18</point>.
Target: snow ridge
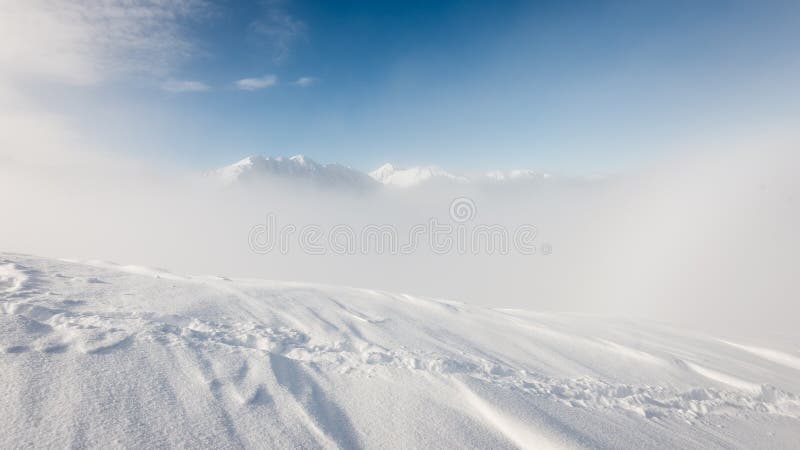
<point>209,361</point>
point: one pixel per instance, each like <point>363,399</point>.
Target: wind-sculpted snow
<point>96,355</point>
<point>11,278</point>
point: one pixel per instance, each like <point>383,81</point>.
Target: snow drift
<point>96,354</point>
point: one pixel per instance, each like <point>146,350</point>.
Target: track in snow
<point>96,354</point>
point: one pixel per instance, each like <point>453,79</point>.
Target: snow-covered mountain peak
<point>387,174</point>
<point>303,160</point>
<point>516,175</point>
<point>257,169</point>
<point>382,173</point>
<point>301,168</point>
<point>383,170</point>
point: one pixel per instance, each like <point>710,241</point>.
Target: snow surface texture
<point>100,355</point>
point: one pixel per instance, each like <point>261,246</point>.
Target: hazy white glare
<point>705,240</point>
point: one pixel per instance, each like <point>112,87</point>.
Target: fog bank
<point>705,239</point>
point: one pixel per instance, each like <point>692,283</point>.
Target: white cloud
<point>305,81</point>
<point>178,86</point>
<point>277,28</point>
<point>252,84</point>
<point>86,41</point>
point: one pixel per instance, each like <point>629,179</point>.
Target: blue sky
<point>566,86</point>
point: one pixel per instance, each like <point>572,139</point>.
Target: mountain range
<point>257,169</point>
